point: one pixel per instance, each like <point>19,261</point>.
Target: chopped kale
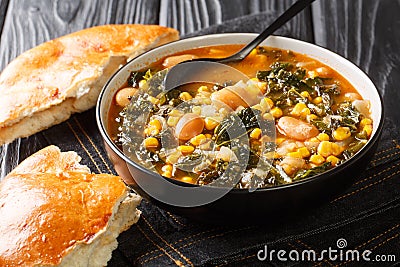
<point>236,125</point>
<point>301,174</point>
<point>321,126</point>
<point>281,77</point>
<point>171,97</point>
<point>350,117</point>
<point>189,162</point>
<point>135,78</point>
<point>208,176</point>
<point>353,148</point>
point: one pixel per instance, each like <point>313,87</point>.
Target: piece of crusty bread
<point>46,84</point>
<point>55,212</point>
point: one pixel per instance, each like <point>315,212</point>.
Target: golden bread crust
<point>55,212</point>
<point>45,215</point>
<point>50,160</point>
<point>68,66</point>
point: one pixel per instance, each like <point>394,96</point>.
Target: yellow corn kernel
<point>317,159</point>
<point>185,150</point>
<point>256,133</point>
<point>304,152</point>
<point>336,149</point>
<point>208,136</point>
<point>323,137</point>
<point>305,112</point>
<point>172,121</point>
<point>368,129</point>
<point>167,174</point>
<point>142,83</point>
<point>185,96</point>
<point>147,132</point>
<point>175,113</point>
<point>364,122</point>
<point>196,110</point>
<point>268,116</point>
<point>167,168</point>
<point>279,140</point>
<point>255,79</point>
<point>262,86</point>
<point>317,100</point>
<point>311,117</point>
<point>314,140</point>
<point>305,94</point>
<point>295,154</point>
<point>276,155</point>
<point>151,142</point>
<point>187,179</point>
<point>258,107</point>
<point>156,124</point>
<point>151,131</point>
<point>341,133</point>
<point>197,139</point>
<point>153,100</point>
<point>333,160</point>
<point>210,123</point>
<point>253,52</point>
<point>296,111</point>
<point>325,148</point>
<point>269,155</point>
<point>276,112</point>
<point>267,103</point>
<point>154,131</point>
<point>203,88</point>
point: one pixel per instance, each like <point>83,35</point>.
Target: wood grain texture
<point>189,16</point>
<point>3,10</point>
<point>367,33</point>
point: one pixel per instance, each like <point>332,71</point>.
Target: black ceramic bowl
<point>240,204</point>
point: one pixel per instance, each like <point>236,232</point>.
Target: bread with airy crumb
<point>54,212</point>
<point>46,84</point>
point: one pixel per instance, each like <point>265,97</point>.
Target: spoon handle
<point>287,15</point>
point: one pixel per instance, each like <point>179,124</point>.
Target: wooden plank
<point>3,11</point>
<point>29,23</point>
<point>190,16</point>
<point>367,33</point>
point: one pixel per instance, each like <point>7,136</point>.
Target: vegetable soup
<point>200,133</point>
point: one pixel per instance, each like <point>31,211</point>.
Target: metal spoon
<point>179,74</point>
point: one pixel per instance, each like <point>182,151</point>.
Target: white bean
<point>173,60</point>
<point>123,96</point>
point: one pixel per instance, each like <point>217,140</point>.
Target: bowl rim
<point>347,164</point>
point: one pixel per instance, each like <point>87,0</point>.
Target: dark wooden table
<point>367,32</point>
